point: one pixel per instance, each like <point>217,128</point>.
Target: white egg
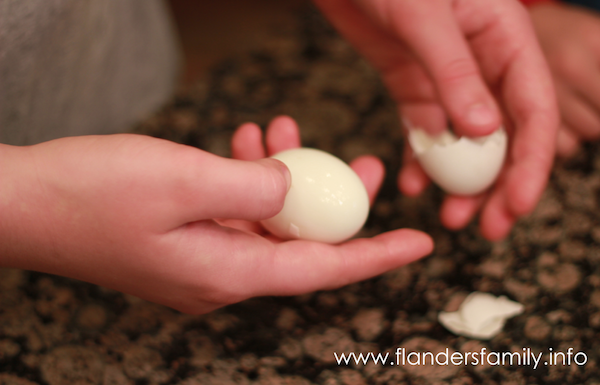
<point>326,202</point>
<point>460,166</point>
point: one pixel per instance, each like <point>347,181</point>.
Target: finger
<point>582,72</point>
<point>299,267</point>
<point>282,134</point>
<point>526,177</point>
<point>412,180</point>
<point>496,221</point>
<point>428,116</point>
<point>244,265</point>
<point>449,61</point>
<point>567,143</point>
<point>578,114</point>
<point>590,89</point>
<point>215,187</point>
<point>409,84</point>
<point>371,171</point>
<point>532,109</point>
<point>246,143</point>
<point>517,68</point>
<point>457,211</point>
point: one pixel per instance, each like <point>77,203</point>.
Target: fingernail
<point>286,174</point>
<point>480,115</point>
<point>282,168</point>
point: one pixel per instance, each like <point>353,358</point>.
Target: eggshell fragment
<point>481,315</point>
<point>327,201</point>
<point>461,166</point>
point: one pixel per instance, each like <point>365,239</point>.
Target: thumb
<point>431,30</point>
<point>235,189</point>
<point>454,69</point>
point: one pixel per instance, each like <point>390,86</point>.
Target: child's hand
<point>135,214</point>
<point>283,134</point>
<point>470,62</point>
<point>570,39</point>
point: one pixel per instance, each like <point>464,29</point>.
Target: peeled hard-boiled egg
<point>326,202</point>
<point>461,166</point>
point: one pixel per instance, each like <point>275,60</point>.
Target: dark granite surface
<point>55,330</point>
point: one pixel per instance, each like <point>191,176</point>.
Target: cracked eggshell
<point>481,315</point>
<point>460,166</point>
<point>326,202</point>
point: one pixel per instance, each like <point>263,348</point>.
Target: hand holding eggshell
<point>474,63</point>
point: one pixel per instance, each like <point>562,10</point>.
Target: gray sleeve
<point>77,67</point>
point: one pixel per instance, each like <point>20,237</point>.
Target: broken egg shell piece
<point>460,166</point>
<point>481,316</point>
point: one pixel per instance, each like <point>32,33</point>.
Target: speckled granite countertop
<point>59,331</point>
